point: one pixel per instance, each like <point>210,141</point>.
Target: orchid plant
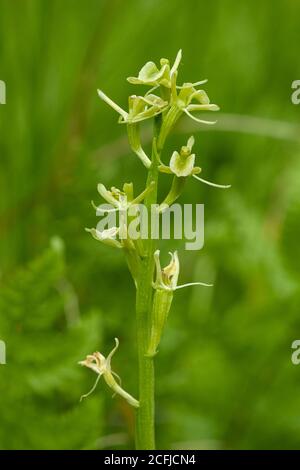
<point>164,103</point>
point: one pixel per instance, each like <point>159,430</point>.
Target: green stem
<point>145,436</point>
<point>145,432</point>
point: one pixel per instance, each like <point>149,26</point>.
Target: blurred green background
<point>224,374</point>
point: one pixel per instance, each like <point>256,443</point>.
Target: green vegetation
<point>224,378</point>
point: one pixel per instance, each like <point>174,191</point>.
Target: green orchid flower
<point>140,108</point>
<point>118,237</point>
<point>153,76</point>
<point>165,284</point>
<point>108,236</point>
<point>102,366</point>
<point>143,107</point>
<point>121,200</point>
<point>182,165</point>
<point>188,100</point>
<point>167,278</point>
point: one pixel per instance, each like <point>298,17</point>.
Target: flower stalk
<point>153,297</point>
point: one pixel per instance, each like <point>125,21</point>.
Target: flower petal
<point>201,121</point>
<point>176,62</point>
<point>209,183</point>
<point>106,236</point>
<point>112,104</point>
<point>171,271</point>
<point>107,195</point>
<point>182,166</point>
<point>148,75</point>
<point>203,107</point>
